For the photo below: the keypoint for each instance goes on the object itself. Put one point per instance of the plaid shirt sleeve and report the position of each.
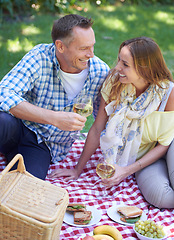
(19, 81)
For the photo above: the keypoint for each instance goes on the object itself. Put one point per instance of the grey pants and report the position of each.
(156, 182)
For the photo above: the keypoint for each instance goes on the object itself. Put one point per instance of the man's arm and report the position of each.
(66, 121)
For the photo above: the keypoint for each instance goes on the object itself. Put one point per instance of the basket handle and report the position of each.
(20, 167)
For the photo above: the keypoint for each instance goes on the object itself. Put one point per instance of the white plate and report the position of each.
(115, 216)
(96, 216)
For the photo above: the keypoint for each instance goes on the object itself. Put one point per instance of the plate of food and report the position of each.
(80, 215)
(126, 214)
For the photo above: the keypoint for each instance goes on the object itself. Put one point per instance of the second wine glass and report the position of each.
(105, 169)
(83, 105)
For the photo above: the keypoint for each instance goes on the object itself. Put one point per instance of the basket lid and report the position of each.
(32, 197)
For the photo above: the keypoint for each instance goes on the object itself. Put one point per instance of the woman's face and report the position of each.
(126, 69)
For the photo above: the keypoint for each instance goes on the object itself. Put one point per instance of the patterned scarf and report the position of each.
(121, 138)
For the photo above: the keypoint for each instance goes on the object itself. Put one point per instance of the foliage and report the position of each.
(55, 5)
(18, 7)
(136, 2)
(147, 2)
(12, 6)
(112, 25)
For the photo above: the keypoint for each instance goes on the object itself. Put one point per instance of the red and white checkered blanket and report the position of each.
(87, 188)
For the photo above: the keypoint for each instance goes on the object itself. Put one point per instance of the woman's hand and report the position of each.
(69, 174)
(119, 175)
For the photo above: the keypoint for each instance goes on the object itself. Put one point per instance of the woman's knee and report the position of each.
(170, 151)
(170, 163)
(160, 196)
(155, 186)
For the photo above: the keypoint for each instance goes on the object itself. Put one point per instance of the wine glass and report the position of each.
(105, 169)
(83, 105)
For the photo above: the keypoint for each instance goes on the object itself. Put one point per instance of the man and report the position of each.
(37, 95)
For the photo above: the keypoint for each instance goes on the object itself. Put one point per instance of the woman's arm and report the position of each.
(123, 172)
(170, 102)
(91, 144)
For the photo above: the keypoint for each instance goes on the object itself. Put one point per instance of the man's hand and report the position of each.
(70, 174)
(69, 121)
(66, 121)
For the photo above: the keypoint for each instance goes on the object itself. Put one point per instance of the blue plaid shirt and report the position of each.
(35, 79)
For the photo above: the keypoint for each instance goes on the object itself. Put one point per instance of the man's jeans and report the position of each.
(15, 138)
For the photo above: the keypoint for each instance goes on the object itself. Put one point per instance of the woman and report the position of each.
(135, 122)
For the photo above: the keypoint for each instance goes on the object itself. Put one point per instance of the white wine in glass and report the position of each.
(105, 170)
(84, 107)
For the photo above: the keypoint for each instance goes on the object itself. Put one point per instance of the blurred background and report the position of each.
(26, 23)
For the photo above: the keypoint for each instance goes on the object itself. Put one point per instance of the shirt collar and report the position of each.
(54, 58)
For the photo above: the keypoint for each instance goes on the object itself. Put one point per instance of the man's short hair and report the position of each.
(62, 28)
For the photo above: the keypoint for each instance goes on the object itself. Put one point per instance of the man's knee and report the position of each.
(4, 117)
(6, 120)
(9, 130)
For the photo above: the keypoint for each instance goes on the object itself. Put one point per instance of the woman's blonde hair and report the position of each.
(148, 62)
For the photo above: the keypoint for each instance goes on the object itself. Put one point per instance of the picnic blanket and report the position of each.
(87, 188)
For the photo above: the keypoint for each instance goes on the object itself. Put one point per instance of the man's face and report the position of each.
(76, 54)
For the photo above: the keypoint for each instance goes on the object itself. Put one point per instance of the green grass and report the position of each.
(112, 25)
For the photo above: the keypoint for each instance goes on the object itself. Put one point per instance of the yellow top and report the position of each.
(158, 127)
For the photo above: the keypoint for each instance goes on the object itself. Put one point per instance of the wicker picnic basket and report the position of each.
(30, 208)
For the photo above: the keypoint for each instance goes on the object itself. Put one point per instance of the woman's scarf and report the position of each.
(121, 138)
